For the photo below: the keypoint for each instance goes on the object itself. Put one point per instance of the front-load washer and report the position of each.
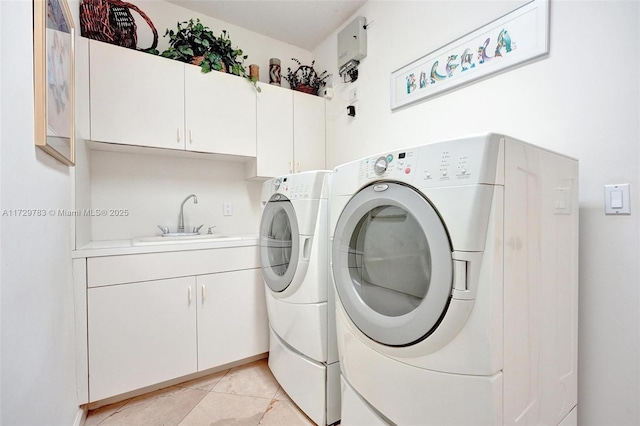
(455, 266)
(303, 353)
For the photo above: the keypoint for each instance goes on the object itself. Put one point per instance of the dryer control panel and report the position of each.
(292, 188)
(463, 162)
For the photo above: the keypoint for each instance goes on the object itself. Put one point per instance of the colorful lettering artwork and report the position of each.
(514, 38)
(464, 62)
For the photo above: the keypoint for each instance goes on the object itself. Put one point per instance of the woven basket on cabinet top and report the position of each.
(111, 21)
(306, 73)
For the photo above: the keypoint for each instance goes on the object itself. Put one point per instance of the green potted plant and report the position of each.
(194, 43)
(305, 78)
(191, 43)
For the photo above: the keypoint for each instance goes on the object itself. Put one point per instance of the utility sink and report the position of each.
(181, 238)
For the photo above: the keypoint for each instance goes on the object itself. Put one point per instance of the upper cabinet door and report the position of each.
(136, 98)
(220, 111)
(275, 131)
(309, 132)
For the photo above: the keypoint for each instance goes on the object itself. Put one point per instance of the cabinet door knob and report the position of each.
(190, 136)
(290, 166)
(298, 167)
(204, 292)
(178, 135)
(189, 294)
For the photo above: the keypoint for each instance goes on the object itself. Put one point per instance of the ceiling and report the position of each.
(302, 23)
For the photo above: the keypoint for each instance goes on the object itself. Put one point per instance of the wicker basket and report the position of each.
(306, 89)
(111, 21)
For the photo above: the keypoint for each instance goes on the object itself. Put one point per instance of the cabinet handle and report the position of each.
(290, 166)
(178, 135)
(298, 167)
(204, 292)
(189, 294)
(190, 136)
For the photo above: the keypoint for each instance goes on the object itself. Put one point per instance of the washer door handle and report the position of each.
(306, 248)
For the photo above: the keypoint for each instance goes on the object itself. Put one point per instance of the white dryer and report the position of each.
(456, 266)
(303, 354)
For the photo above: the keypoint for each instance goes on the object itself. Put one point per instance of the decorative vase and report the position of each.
(254, 72)
(274, 71)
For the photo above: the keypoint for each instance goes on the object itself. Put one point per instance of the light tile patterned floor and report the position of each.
(245, 395)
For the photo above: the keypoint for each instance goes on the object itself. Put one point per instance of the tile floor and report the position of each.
(244, 395)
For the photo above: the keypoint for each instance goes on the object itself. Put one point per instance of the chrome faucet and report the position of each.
(181, 217)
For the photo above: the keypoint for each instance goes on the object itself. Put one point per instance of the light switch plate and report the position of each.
(228, 209)
(616, 199)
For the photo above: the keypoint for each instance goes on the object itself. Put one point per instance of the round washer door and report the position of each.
(392, 264)
(279, 241)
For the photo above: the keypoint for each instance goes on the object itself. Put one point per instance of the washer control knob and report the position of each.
(380, 166)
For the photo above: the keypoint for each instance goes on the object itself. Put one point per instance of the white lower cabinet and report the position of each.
(140, 334)
(231, 317)
(148, 330)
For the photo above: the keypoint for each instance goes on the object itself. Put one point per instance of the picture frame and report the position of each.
(519, 36)
(54, 79)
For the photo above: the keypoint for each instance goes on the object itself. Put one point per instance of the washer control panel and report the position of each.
(398, 165)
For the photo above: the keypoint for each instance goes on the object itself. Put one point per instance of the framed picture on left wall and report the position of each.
(53, 67)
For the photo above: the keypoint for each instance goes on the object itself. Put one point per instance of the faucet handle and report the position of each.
(164, 229)
(210, 228)
(197, 229)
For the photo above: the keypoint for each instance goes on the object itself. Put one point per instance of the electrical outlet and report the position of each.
(228, 209)
(328, 93)
(353, 95)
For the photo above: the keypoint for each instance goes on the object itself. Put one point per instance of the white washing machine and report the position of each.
(303, 355)
(456, 270)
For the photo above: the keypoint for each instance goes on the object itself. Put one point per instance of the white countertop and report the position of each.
(123, 247)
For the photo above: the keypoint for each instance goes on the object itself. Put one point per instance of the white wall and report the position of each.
(582, 100)
(37, 316)
(152, 188)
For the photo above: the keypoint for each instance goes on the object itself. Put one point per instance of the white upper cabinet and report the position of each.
(136, 98)
(220, 113)
(309, 132)
(290, 134)
(275, 133)
(146, 100)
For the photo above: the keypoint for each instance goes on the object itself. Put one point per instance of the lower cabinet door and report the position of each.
(232, 317)
(140, 334)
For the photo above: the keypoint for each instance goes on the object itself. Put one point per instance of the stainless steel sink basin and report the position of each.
(181, 238)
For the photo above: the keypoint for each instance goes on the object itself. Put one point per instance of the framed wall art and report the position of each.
(516, 37)
(53, 67)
